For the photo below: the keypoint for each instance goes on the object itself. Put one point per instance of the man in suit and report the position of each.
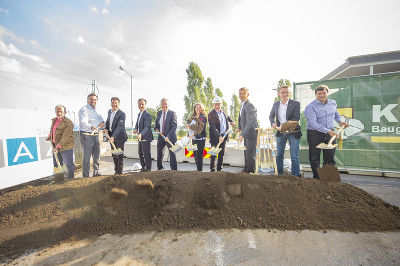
(115, 127)
(145, 136)
(166, 124)
(247, 129)
(282, 111)
(218, 122)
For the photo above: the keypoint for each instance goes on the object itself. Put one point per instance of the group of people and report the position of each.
(320, 115)
(218, 120)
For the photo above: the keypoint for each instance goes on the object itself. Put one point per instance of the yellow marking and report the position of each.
(189, 154)
(385, 139)
(347, 112)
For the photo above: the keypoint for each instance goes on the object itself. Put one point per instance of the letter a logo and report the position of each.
(22, 146)
(21, 150)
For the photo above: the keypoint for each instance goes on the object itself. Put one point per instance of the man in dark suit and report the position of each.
(145, 136)
(283, 111)
(166, 124)
(247, 128)
(115, 126)
(218, 122)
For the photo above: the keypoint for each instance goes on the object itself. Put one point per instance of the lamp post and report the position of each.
(120, 67)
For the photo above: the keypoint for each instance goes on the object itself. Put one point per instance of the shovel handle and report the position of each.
(58, 161)
(162, 135)
(334, 137)
(112, 143)
(223, 137)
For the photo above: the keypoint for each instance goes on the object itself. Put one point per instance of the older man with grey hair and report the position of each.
(247, 129)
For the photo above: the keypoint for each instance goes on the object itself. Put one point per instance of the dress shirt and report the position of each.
(282, 111)
(241, 107)
(89, 117)
(58, 121)
(320, 116)
(222, 122)
(138, 121)
(161, 119)
(112, 117)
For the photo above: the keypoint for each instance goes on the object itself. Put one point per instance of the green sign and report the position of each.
(371, 106)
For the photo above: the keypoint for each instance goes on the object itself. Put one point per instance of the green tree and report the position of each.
(234, 113)
(209, 92)
(224, 103)
(153, 113)
(279, 84)
(195, 92)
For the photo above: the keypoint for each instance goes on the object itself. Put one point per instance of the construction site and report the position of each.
(349, 216)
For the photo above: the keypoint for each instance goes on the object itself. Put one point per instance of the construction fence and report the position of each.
(371, 106)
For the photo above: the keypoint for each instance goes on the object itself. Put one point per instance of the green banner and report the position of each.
(371, 106)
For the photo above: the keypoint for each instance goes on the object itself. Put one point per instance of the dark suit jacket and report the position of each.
(248, 120)
(215, 126)
(144, 126)
(117, 129)
(170, 124)
(292, 114)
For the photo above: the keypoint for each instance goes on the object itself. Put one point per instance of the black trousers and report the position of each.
(161, 143)
(220, 156)
(314, 138)
(118, 159)
(145, 155)
(198, 155)
(250, 155)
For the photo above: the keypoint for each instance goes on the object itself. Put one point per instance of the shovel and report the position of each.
(174, 148)
(215, 150)
(191, 146)
(59, 171)
(272, 140)
(330, 146)
(114, 149)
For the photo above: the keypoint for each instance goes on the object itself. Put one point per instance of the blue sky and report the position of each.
(50, 51)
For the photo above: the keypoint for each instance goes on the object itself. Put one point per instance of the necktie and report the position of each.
(163, 123)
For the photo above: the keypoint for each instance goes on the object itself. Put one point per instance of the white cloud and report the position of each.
(4, 10)
(105, 11)
(36, 44)
(13, 50)
(51, 25)
(10, 65)
(81, 40)
(107, 2)
(94, 9)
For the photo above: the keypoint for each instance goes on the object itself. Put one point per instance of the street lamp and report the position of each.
(120, 67)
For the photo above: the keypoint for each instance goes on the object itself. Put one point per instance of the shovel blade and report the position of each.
(117, 151)
(329, 173)
(175, 148)
(326, 146)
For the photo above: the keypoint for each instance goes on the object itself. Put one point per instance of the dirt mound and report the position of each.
(45, 215)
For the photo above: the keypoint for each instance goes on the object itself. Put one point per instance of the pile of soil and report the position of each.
(45, 215)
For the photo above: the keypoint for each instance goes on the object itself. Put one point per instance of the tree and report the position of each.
(282, 82)
(234, 113)
(224, 103)
(195, 92)
(153, 113)
(209, 93)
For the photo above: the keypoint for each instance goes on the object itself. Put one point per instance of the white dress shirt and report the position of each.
(282, 111)
(161, 119)
(112, 117)
(89, 117)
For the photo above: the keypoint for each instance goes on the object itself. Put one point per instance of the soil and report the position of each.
(45, 215)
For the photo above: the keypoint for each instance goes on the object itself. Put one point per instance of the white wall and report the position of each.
(24, 153)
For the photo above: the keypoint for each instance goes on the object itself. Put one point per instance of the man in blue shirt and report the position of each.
(320, 115)
(89, 123)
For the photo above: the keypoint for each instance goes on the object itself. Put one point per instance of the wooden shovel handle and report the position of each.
(334, 137)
